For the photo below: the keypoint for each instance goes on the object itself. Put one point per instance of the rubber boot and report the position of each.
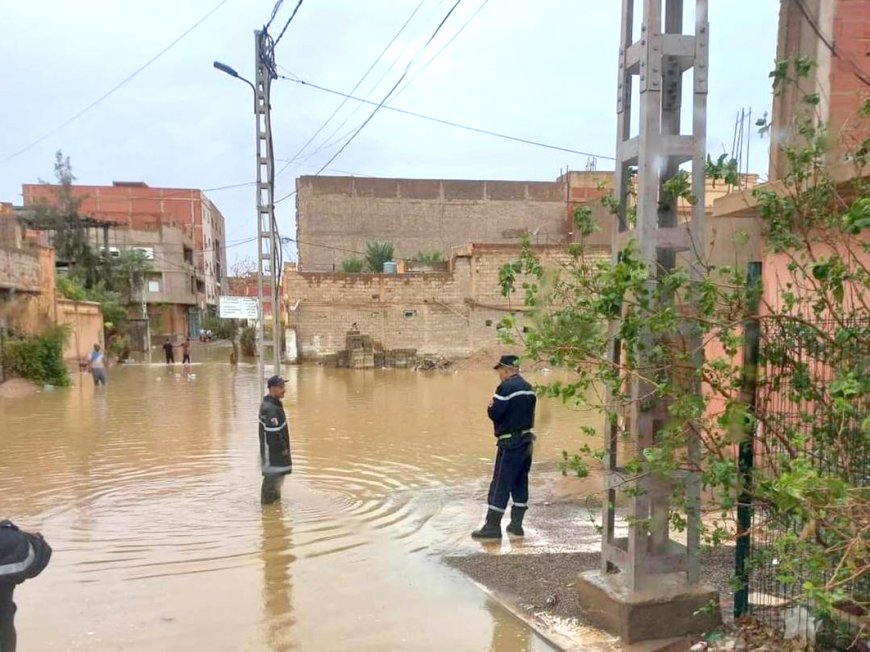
(492, 528)
(515, 527)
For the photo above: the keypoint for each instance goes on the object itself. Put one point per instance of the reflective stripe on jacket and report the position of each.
(274, 436)
(22, 555)
(513, 407)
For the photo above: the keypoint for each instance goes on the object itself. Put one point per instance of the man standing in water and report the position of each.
(169, 351)
(512, 411)
(23, 555)
(275, 460)
(97, 365)
(185, 350)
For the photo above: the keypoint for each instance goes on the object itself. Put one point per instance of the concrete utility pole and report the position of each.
(267, 237)
(647, 587)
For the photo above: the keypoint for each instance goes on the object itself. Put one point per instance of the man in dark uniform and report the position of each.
(275, 461)
(23, 555)
(512, 410)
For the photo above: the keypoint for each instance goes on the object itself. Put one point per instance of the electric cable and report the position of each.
(390, 92)
(117, 86)
(287, 24)
(357, 85)
(856, 69)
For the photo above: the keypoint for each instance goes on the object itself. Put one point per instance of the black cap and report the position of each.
(275, 381)
(508, 361)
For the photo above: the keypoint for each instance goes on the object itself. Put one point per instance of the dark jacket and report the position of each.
(274, 438)
(513, 411)
(22, 555)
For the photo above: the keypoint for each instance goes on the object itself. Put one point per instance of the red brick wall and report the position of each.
(852, 41)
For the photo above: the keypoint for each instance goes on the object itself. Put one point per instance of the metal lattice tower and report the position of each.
(267, 237)
(656, 61)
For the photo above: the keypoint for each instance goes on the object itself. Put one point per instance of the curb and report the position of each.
(555, 638)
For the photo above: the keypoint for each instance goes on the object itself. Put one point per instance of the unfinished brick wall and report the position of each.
(452, 314)
(336, 216)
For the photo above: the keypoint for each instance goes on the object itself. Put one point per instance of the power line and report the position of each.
(274, 13)
(331, 139)
(450, 123)
(443, 47)
(287, 24)
(117, 86)
(390, 92)
(357, 85)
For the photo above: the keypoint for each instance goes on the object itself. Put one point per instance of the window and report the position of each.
(489, 322)
(155, 282)
(410, 313)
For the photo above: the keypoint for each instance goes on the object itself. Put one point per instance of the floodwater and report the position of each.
(148, 490)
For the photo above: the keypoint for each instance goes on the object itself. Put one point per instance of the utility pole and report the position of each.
(267, 237)
(647, 569)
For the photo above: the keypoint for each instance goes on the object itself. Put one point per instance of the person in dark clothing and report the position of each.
(169, 350)
(512, 411)
(23, 555)
(275, 460)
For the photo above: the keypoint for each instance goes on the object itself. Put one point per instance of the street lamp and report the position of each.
(232, 73)
(265, 206)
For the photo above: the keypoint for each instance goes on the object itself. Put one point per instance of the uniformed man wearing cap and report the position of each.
(275, 460)
(512, 410)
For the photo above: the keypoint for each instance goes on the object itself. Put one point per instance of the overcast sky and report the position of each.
(544, 70)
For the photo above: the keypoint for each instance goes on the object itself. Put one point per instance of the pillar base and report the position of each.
(665, 609)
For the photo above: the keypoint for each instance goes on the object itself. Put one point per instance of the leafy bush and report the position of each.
(114, 314)
(428, 257)
(221, 329)
(378, 253)
(353, 265)
(38, 358)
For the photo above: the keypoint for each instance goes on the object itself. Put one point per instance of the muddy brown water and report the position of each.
(148, 491)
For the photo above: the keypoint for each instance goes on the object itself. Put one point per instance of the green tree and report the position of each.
(69, 235)
(353, 265)
(814, 431)
(378, 253)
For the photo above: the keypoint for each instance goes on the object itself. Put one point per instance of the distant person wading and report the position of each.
(512, 411)
(169, 351)
(97, 365)
(275, 460)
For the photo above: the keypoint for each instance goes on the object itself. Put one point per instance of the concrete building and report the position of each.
(140, 207)
(174, 291)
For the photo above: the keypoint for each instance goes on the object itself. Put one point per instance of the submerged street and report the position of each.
(148, 490)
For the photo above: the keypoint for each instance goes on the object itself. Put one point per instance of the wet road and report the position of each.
(149, 492)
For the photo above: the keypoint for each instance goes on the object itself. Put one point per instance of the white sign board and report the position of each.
(239, 308)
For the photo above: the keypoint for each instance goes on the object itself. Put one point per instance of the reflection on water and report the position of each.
(148, 489)
(277, 556)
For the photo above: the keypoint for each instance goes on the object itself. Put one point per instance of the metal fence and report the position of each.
(796, 401)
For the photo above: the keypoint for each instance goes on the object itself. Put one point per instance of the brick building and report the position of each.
(140, 207)
(835, 34)
(453, 313)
